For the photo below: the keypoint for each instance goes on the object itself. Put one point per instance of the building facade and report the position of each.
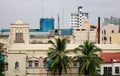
(78, 19)
(106, 30)
(26, 59)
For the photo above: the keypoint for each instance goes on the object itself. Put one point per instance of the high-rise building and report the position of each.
(111, 20)
(46, 24)
(77, 19)
(110, 26)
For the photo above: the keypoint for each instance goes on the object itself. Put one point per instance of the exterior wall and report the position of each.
(81, 35)
(12, 59)
(39, 40)
(113, 65)
(115, 38)
(4, 41)
(19, 27)
(106, 30)
(25, 52)
(102, 68)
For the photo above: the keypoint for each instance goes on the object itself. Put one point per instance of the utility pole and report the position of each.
(98, 30)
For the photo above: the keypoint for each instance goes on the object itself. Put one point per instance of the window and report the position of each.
(16, 65)
(30, 63)
(105, 38)
(36, 63)
(104, 32)
(110, 40)
(45, 63)
(112, 31)
(117, 70)
(107, 70)
(77, 29)
(19, 38)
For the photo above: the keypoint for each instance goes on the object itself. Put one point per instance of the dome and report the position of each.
(19, 22)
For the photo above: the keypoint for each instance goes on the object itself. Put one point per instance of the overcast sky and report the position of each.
(30, 11)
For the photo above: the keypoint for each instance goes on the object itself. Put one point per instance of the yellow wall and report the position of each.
(115, 38)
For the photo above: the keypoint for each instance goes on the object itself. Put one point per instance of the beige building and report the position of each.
(81, 34)
(26, 59)
(115, 38)
(106, 30)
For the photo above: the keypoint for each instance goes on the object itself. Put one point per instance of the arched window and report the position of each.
(110, 40)
(112, 31)
(16, 65)
(104, 32)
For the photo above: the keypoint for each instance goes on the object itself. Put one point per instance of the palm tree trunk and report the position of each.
(59, 69)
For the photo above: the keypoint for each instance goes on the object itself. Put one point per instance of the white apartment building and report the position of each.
(77, 19)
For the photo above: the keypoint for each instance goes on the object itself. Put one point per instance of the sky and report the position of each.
(30, 11)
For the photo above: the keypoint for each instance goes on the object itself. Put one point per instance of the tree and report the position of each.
(57, 58)
(2, 63)
(89, 60)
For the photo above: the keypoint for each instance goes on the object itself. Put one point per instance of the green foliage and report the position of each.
(2, 63)
(57, 57)
(107, 74)
(1, 74)
(89, 59)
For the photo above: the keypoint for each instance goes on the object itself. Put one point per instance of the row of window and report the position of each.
(105, 39)
(76, 17)
(75, 23)
(35, 63)
(109, 70)
(104, 32)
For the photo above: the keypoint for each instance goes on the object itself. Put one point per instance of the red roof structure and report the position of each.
(110, 57)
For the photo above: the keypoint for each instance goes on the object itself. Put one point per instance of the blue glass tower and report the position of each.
(46, 24)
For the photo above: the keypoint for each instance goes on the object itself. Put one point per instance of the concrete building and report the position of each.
(78, 19)
(106, 30)
(82, 34)
(115, 38)
(111, 64)
(111, 20)
(46, 24)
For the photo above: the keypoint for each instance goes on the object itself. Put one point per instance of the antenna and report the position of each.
(51, 15)
(42, 7)
(63, 18)
(58, 25)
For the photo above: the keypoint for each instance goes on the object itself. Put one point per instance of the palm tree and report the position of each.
(57, 59)
(2, 63)
(89, 60)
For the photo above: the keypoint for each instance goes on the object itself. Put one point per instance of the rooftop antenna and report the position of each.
(58, 25)
(42, 7)
(63, 18)
(51, 15)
